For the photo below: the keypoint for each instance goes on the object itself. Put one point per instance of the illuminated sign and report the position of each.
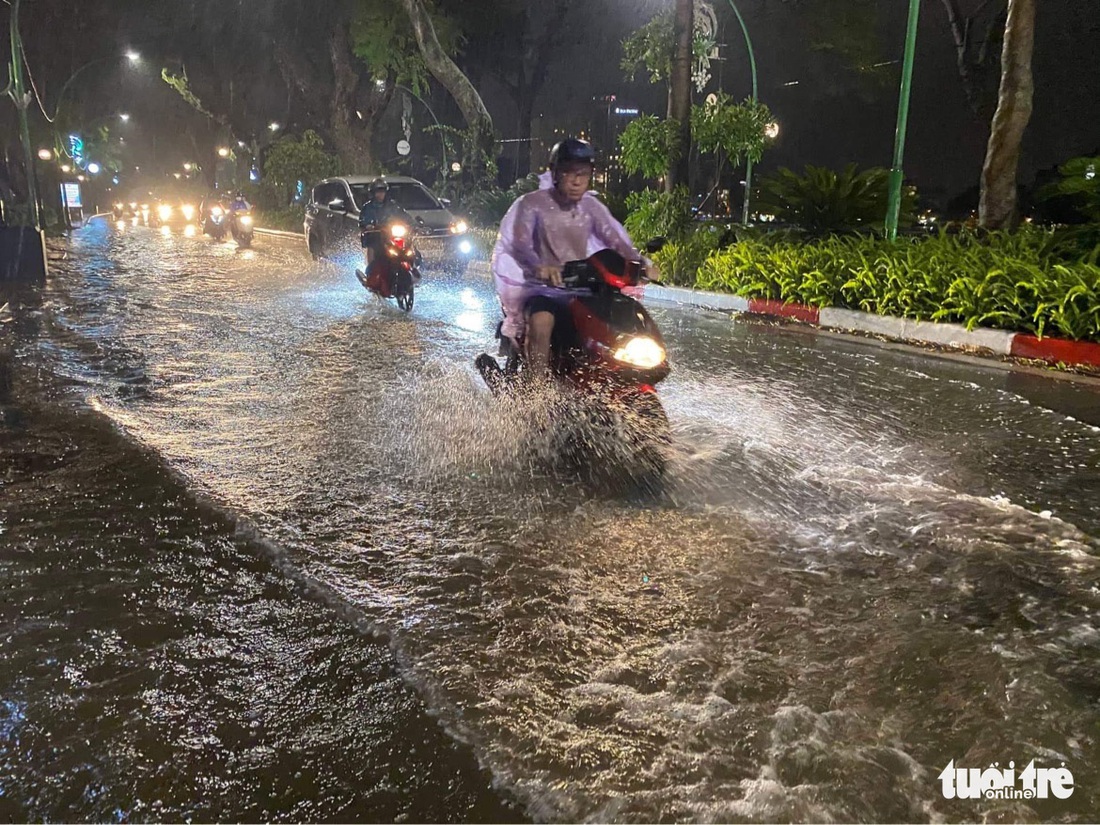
(76, 149)
(70, 195)
(630, 112)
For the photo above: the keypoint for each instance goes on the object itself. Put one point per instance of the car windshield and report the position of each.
(407, 195)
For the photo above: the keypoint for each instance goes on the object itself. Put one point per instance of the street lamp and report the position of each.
(66, 168)
(188, 167)
(771, 131)
(274, 127)
(45, 154)
(94, 168)
(132, 56)
(125, 118)
(897, 176)
(223, 152)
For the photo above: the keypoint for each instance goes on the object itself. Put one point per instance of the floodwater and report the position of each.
(865, 562)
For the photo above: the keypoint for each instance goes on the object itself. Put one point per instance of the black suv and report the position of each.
(332, 216)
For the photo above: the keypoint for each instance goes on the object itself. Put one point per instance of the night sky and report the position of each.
(829, 118)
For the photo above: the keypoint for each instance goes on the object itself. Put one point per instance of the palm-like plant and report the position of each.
(826, 201)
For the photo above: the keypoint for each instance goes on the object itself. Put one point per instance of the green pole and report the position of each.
(22, 100)
(752, 63)
(893, 208)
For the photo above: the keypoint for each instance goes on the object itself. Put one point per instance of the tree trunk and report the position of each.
(998, 200)
(454, 81)
(679, 93)
(351, 136)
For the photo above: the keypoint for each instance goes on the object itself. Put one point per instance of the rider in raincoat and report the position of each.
(543, 230)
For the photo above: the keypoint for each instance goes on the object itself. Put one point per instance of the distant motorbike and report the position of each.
(611, 353)
(240, 225)
(216, 223)
(395, 270)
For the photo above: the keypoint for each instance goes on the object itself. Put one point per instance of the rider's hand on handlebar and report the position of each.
(549, 274)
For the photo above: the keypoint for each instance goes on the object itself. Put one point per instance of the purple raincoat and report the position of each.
(539, 231)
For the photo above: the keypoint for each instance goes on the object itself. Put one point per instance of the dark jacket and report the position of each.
(383, 214)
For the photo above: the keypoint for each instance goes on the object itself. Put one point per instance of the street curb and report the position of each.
(1056, 350)
(278, 233)
(952, 336)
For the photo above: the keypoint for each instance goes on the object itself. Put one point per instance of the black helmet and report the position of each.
(377, 184)
(572, 150)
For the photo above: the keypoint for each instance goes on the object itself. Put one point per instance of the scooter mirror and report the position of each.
(656, 245)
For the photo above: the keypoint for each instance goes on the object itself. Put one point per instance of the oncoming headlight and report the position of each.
(465, 247)
(459, 228)
(642, 352)
(188, 211)
(246, 220)
(399, 230)
(164, 211)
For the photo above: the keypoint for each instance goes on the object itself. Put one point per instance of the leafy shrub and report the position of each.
(291, 160)
(488, 206)
(680, 260)
(1001, 280)
(658, 214)
(826, 201)
(1080, 183)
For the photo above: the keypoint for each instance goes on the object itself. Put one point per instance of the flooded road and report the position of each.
(866, 562)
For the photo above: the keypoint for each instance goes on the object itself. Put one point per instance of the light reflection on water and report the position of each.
(846, 582)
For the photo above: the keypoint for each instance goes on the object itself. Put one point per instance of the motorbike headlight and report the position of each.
(188, 211)
(246, 220)
(133, 205)
(642, 352)
(164, 211)
(399, 230)
(216, 211)
(465, 247)
(118, 206)
(459, 228)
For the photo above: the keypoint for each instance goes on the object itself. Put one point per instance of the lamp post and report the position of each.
(442, 141)
(755, 99)
(897, 176)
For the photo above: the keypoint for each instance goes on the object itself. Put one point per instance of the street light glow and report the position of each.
(223, 152)
(94, 168)
(188, 167)
(133, 56)
(125, 118)
(66, 168)
(45, 154)
(772, 130)
(274, 127)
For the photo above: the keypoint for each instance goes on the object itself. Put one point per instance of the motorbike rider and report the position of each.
(542, 231)
(239, 204)
(375, 216)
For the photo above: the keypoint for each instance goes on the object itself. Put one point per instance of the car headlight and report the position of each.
(188, 211)
(459, 228)
(246, 220)
(164, 211)
(642, 352)
(399, 230)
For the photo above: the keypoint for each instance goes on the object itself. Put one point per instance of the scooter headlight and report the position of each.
(188, 211)
(459, 228)
(399, 230)
(641, 352)
(216, 211)
(246, 220)
(465, 247)
(164, 211)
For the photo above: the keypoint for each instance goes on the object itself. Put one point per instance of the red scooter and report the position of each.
(395, 270)
(612, 352)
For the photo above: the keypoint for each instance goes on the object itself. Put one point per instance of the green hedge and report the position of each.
(1007, 281)
(288, 219)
